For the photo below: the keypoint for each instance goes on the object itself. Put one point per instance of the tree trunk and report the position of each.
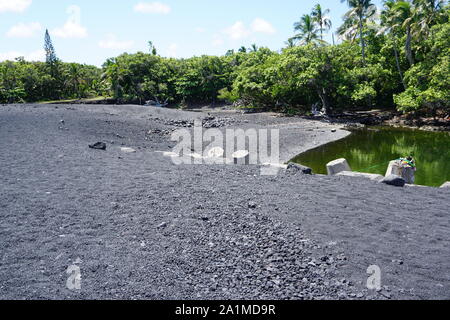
(408, 48)
(397, 61)
(324, 98)
(363, 44)
(321, 31)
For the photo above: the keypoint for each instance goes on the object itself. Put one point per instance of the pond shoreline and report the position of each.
(374, 117)
(370, 150)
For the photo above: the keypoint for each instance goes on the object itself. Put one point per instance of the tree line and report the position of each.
(398, 56)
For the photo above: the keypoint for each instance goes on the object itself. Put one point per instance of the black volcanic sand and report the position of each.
(144, 228)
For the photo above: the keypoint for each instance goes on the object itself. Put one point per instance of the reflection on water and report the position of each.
(370, 150)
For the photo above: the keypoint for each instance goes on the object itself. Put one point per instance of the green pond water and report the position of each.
(370, 150)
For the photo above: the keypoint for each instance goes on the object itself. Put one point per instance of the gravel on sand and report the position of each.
(140, 227)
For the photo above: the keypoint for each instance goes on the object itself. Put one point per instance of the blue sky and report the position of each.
(90, 31)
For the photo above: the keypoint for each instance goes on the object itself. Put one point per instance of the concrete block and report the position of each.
(397, 169)
(336, 166)
(371, 176)
(394, 168)
(446, 185)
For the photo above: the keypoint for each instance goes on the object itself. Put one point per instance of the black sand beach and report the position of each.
(144, 228)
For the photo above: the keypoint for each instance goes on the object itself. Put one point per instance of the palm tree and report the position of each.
(348, 31)
(428, 13)
(75, 79)
(321, 19)
(290, 43)
(113, 75)
(152, 48)
(307, 31)
(361, 11)
(242, 49)
(406, 14)
(391, 25)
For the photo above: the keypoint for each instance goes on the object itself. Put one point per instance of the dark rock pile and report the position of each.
(213, 122)
(243, 254)
(98, 146)
(208, 122)
(159, 132)
(295, 167)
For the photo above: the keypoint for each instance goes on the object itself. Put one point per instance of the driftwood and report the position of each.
(156, 103)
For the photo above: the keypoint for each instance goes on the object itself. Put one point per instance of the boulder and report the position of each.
(98, 146)
(371, 176)
(394, 180)
(299, 168)
(446, 185)
(336, 166)
(396, 168)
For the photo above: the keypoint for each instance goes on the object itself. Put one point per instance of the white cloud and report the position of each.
(262, 26)
(38, 55)
(172, 51)
(24, 30)
(152, 7)
(111, 42)
(200, 30)
(72, 28)
(14, 5)
(240, 31)
(237, 31)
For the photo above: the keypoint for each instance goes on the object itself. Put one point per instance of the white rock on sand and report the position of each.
(128, 150)
(168, 154)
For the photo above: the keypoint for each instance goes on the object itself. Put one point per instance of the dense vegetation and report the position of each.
(400, 58)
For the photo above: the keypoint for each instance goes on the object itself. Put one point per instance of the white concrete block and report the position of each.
(371, 176)
(394, 168)
(336, 166)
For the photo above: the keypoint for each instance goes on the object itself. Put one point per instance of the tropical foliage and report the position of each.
(394, 56)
